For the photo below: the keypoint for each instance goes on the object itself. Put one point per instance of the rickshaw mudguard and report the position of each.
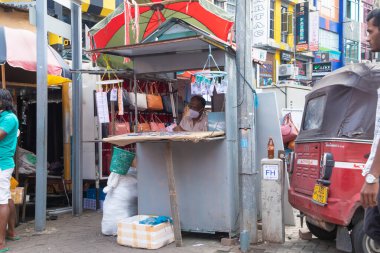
(335, 212)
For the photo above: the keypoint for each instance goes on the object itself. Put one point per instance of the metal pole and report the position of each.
(42, 116)
(247, 171)
(136, 110)
(76, 28)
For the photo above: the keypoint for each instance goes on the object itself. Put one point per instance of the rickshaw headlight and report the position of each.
(327, 164)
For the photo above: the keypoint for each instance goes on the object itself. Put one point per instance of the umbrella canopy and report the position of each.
(18, 51)
(151, 14)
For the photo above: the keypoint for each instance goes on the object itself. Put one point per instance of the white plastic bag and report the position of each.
(112, 182)
(120, 203)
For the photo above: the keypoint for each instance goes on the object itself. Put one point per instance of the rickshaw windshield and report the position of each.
(314, 113)
(339, 112)
(342, 104)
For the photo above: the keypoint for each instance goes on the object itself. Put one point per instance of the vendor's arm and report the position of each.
(368, 194)
(178, 129)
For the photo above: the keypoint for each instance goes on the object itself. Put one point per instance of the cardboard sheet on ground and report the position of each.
(126, 139)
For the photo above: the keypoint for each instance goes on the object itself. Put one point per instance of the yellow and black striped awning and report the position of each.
(99, 7)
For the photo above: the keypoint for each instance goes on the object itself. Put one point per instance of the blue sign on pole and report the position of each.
(302, 26)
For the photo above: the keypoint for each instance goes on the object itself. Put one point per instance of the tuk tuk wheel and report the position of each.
(321, 233)
(361, 242)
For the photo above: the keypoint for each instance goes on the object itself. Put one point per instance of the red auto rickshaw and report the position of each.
(331, 150)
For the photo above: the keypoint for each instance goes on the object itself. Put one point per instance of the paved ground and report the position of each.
(82, 234)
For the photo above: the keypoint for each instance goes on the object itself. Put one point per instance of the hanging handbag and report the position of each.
(121, 127)
(153, 99)
(289, 131)
(140, 102)
(143, 125)
(178, 102)
(156, 124)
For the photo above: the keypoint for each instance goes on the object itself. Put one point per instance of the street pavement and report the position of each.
(70, 234)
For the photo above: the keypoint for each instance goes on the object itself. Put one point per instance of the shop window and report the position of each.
(351, 51)
(352, 9)
(329, 40)
(271, 20)
(284, 24)
(314, 113)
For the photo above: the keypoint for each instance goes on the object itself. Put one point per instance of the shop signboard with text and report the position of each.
(302, 27)
(260, 15)
(321, 68)
(314, 31)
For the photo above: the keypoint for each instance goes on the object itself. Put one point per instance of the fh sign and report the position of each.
(260, 22)
(270, 172)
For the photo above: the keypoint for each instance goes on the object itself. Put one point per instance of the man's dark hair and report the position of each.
(374, 14)
(200, 100)
(6, 101)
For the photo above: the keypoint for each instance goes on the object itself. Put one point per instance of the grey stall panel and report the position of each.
(205, 185)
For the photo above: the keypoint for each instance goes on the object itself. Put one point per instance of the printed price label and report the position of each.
(113, 95)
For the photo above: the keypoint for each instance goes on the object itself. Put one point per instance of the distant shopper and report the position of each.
(8, 143)
(196, 120)
(370, 197)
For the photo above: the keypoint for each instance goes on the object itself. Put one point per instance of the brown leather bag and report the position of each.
(143, 125)
(154, 99)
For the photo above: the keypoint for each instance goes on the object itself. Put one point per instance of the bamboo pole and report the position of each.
(66, 131)
(3, 76)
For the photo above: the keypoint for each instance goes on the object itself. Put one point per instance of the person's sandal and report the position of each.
(12, 238)
(4, 250)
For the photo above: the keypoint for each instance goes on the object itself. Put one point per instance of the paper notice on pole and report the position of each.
(102, 107)
(270, 172)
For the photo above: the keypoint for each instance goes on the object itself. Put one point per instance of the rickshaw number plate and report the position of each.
(320, 194)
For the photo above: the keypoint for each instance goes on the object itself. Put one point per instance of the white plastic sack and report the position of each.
(120, 203)
(112, 182)
(26, 161)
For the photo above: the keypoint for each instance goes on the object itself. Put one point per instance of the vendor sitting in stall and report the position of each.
(196, 120)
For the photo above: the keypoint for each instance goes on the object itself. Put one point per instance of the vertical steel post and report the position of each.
(76, 42)
(42, 116)
(247, 170)
(136, 110)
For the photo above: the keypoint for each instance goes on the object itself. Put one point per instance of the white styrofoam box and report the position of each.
(131, 233)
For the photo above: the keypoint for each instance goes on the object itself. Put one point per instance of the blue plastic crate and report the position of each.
(89, 204)
(91, 194)
(102, 195)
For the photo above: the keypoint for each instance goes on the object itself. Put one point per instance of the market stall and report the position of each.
(18, 52)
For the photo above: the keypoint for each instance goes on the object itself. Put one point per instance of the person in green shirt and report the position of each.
(8, 143)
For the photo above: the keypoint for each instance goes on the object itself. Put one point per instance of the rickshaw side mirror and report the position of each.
(327, 165)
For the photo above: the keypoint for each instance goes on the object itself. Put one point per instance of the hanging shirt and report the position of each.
(9, 124)
(200, 125)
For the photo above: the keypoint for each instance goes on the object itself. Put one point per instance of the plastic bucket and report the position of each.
(121, 161)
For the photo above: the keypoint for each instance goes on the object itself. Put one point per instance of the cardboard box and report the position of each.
(17, 195)
(131, 233)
